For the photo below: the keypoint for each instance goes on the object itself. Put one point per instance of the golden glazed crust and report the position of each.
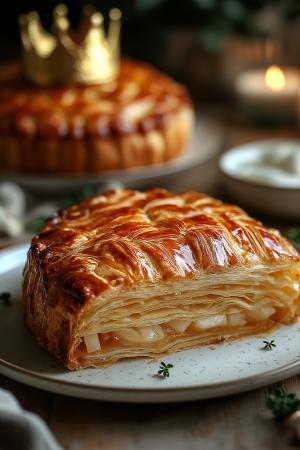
(141, 119)
(164, 250)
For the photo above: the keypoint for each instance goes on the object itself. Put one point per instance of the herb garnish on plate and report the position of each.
(164, 369)
(269, 345)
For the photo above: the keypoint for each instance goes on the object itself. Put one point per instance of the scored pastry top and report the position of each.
(121, 238)
(141, 99)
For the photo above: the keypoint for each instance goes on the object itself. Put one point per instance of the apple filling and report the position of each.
(149, 335)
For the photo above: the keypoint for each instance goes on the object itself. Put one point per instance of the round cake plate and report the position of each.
(205, 144)
(201, 373)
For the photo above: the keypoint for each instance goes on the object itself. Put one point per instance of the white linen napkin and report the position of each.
(22, 430)
(13, 213)
(15, 216)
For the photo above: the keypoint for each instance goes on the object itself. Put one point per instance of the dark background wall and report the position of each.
(183, 37)
(147, 22)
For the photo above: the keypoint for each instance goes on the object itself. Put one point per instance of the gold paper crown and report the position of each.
(85, 56)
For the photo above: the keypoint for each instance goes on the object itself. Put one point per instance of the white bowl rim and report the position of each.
(240, 147)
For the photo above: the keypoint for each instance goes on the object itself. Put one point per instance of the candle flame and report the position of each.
(274, 78)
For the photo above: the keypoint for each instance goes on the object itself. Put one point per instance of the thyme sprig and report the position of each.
(164, 369)
(269, 345)
(5, 297)
(281, 402)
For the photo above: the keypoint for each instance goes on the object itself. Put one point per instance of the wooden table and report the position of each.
(235, 423)
(239, 422)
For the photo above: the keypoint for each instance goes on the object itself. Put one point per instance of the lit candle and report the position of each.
(269, 94)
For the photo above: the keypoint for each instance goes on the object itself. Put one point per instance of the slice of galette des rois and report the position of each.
(128, 274)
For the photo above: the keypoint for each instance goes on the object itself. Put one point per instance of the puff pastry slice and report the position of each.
(127, 274)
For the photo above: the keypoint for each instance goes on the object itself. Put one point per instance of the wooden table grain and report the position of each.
(239, 422)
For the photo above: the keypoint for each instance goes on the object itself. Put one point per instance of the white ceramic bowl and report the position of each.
(254, 195)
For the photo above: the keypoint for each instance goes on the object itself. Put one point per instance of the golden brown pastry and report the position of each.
(131, 273)
(143, 118)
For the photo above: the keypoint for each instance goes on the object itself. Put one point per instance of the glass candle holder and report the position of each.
(268, 95)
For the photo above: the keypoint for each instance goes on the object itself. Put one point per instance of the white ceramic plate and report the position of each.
(197, 374)
(205, 144)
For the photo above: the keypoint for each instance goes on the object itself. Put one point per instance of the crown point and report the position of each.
(60, 10)
(96, 19)
(33, 16)
(61, 22)
(115, 14)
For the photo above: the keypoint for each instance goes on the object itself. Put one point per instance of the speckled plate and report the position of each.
(197, 374)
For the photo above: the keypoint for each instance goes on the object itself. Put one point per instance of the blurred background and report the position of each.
(206, 45)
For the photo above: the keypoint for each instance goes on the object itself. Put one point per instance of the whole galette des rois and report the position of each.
(75, 107)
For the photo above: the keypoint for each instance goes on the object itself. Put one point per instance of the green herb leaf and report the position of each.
(5, 297)
(269, 345)
(281, 402)
(37, 224)
(86, 192)
(164, 369)
(294, 235)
